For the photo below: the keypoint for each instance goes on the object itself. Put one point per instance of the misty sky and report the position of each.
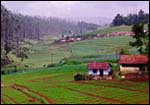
(76, 8)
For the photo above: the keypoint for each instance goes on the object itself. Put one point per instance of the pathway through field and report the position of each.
(29, 93)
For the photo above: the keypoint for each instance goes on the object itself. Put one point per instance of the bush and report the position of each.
(78, 77)
(51, 65)
(69, 61)
(116, 75)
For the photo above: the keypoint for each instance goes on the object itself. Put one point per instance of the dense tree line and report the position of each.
(17, 27)
(131, 19)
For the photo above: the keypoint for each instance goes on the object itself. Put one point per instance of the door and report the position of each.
(101, 72)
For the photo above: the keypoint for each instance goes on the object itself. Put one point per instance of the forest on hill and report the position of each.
(17, 27)
(131, 19)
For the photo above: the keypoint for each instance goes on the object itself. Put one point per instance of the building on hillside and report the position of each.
(132, 63)
(78, 39)
(99, 69)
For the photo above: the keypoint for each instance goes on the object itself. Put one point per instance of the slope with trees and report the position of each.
(131, 19)
(17, 27)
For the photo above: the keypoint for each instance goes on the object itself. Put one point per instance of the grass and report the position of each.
(79, 49)
(57, 84)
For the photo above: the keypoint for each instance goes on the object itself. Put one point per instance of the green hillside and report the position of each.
(44, 53)
(111, 29)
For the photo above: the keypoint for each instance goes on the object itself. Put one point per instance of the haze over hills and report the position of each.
(88, 11)
(95, 20)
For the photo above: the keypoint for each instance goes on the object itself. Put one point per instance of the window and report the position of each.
(94, 71)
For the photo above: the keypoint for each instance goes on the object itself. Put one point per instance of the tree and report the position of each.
(141, 16)
(131, 19)
(22, 55)
(141, 39)
(118, 20)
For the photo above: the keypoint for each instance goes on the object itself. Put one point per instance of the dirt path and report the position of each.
(31, 98)
(11, 99)
(144, 102)
(23, 89)
(92, 95)
(3, 101)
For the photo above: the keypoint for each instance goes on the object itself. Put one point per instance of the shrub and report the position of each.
(117, 75)
(69, 62)
(51, 65)
(78, 77)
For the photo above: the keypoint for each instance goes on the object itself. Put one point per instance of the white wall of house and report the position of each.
(129, 69)
(90, 72)
(106, 72)
(78, 39)
(63, 40)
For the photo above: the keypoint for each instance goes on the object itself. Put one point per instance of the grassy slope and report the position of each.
(41, 54)
(109, 30)
(112, 29)
(79, 49)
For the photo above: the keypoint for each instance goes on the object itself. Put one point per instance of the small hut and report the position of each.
(132, 63)
(99, 68)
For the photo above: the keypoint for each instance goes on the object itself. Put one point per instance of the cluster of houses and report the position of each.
(127, 63)
(94, 36)
(68, 39)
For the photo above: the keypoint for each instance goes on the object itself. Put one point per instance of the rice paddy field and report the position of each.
(57, 86)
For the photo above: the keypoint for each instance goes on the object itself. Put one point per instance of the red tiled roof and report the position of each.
(133, 59)
(98, 65)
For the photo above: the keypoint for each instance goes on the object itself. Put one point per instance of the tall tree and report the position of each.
(141, 39)
(118, 20)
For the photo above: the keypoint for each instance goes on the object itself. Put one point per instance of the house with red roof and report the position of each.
(132, 63)
(99, 68)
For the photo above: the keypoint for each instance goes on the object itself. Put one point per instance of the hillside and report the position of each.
(105, 30)
(43, 54)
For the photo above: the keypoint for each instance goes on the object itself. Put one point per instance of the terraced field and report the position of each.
(46, 54)
(57, 85)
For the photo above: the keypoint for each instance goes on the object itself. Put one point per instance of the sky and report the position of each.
(66, 9)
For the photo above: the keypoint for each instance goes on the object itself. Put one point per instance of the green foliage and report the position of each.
(22, 55)
(78, 77)
(70, 62)
(118, 20)
(7, 48)
(141, 39)
(131, 19)
(124, 51)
